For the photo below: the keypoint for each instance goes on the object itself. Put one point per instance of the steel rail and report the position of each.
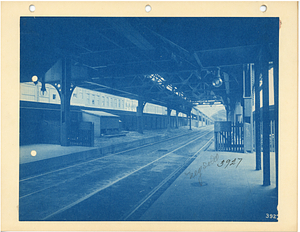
(117, 180)
(102, 157)
(161, 184)
(78, 176)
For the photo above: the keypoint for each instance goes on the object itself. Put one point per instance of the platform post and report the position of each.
(227, 114)
(65, 95)
(197, 124)
(139, 110)
(168, 118)
(257, 119)
(276, 101)
(190, 119)
(176, 121)
(247, 108)
(266, 118)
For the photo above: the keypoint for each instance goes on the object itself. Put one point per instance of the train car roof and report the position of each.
(99, 113)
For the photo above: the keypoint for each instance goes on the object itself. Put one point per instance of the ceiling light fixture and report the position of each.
(217, 81)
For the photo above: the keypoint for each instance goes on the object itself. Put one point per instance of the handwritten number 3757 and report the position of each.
(229, 162)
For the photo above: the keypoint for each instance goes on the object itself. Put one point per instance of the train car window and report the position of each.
(128, 106)
(80, 93)
(93, 99)
(88, 98)
(107, 102)
(54, 96)
(98, 100)
(103, 101)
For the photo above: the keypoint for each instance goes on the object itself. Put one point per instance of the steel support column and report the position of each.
(266, 117)
(227, 114)
(65, 96)
(257, 119)
(247, 108)
(139, 110)
(276, 101)
(190, 119)
(247, 94)
(176, 121)
(169, 118)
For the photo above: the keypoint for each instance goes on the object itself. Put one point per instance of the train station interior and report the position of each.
(98, 89)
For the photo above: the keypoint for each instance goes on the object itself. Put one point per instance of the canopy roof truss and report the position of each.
(166, 61)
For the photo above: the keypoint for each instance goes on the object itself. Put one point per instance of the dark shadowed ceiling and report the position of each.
(168, 61)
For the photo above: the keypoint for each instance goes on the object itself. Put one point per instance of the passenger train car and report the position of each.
(88, 98)
(40, 122)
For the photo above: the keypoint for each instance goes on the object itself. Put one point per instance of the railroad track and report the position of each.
(58, 195)
(161, 184)
(117, 153)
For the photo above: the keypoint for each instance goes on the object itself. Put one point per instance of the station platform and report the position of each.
(51, 156)
(209, 190)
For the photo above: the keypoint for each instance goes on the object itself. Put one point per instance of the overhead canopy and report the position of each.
(166, 61)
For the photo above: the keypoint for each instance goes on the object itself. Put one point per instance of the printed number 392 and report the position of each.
(272, 216)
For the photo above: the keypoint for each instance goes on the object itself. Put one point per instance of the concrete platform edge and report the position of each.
(51, 164)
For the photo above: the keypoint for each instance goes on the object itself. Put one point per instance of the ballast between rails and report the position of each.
(125, 176)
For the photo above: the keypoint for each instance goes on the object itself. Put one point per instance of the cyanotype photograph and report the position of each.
(149, 119)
